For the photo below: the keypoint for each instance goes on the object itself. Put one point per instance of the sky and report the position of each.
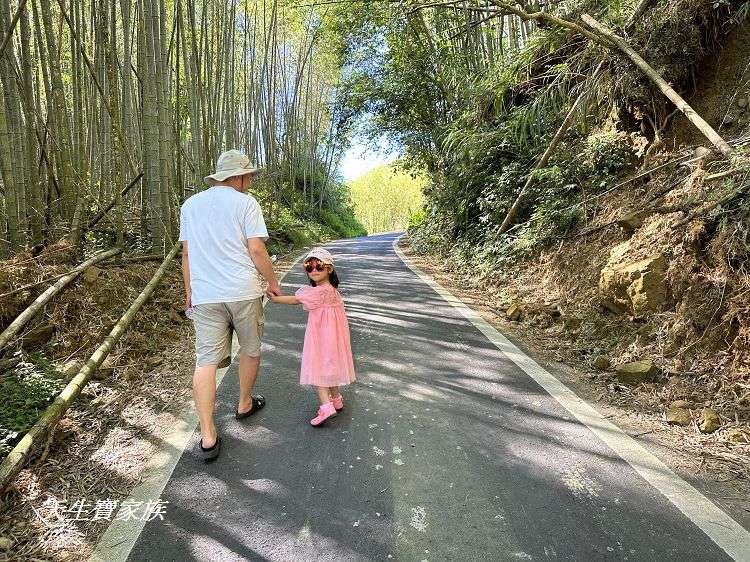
(360, 159)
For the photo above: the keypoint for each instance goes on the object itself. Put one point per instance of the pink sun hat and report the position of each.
(320, 254)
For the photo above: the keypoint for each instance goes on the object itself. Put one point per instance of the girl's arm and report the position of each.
(285, 299)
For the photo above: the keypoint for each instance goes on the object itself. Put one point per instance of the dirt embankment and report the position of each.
(722, 92)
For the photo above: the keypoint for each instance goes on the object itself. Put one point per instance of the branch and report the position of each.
(112, 203)
(567, 122)
(639, 11)
(507, 8)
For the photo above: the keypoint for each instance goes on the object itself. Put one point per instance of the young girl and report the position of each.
(327, 354)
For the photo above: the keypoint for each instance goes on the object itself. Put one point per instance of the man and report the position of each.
(224, 256)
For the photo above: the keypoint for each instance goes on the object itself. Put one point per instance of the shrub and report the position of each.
(608, 152)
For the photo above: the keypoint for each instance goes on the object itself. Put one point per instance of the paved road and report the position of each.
(446, 451)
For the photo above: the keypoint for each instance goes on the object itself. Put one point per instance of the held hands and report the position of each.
(274, 290)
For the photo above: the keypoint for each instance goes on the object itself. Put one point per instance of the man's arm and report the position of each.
(186, 275)
(259, 255)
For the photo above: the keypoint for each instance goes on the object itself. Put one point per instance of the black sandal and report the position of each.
(212, 452)
(258, 402)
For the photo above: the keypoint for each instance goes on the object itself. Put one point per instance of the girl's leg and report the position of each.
(323, 394)
(336, 399)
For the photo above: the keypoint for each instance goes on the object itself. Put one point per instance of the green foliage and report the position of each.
(385, 198)
(299, 236)
(609, 152)
(26, 392)
(476, 114)
(344, 224)
(300, 225)
(417, 218)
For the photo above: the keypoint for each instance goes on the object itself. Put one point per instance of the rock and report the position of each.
(5, 544)
(175, 316)
(637, 372)
(742, 103)
(106, 369)
(153, 362)
(70, 369)
(702, 152)
(738, 435)
(91, 275)
(709, 421)
(633, 221)
(38, 337)
(681, 404)
(678, 416)
(602, 362)
(513, 313)
(637, 287)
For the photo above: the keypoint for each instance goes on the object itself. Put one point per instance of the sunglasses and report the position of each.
(317, 267)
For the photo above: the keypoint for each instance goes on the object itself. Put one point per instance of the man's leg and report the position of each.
(204, 395)
(248, 320)
(248, 373)
(211, 345)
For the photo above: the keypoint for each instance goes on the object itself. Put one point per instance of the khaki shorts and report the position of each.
(214, 323)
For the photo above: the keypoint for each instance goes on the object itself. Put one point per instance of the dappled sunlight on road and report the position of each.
(445, 450)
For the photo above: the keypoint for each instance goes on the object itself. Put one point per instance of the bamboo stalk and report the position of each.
(113, 202)
(9, 33)
(13, 463)
(34, 308)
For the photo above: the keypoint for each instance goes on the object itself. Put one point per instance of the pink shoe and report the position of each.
(338, 403)
(324, 412)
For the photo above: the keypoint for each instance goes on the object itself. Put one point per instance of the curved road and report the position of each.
(447, 450)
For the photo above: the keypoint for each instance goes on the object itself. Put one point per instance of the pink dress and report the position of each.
(327, 354)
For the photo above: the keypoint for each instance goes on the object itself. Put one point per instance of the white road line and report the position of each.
(120, 537)
(727, 533)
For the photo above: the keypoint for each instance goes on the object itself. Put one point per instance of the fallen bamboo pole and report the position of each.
(100, 215)
(32, 310)
(721, 175)
(513, 210)
(707, 130)
(13, 463)
(542, 162)
(139, 259)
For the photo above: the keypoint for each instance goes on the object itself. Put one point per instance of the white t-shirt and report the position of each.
(216, 224)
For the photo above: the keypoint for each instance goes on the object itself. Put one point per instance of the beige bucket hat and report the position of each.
(231, 163)
(321, 254)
